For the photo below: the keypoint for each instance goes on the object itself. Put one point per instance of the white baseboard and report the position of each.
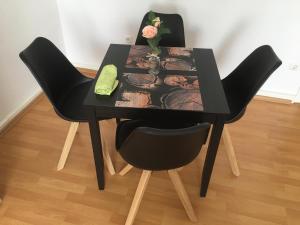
(12, 115)
(296, 99)
(276, 94)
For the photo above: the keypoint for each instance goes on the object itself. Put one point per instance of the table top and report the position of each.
(188, 84)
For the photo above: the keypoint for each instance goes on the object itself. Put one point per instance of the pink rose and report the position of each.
(149, 31)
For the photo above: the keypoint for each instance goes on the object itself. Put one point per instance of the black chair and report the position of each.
(174, 22)
(240, 87)
(155, 149)
(64, 86)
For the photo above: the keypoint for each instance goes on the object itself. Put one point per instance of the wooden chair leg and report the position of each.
(179, 169)
(183, 196)
(108, 161)
(230, 152)
(138, 196)
(208, 137)
(68, 144)
(106, 155)
(126, 169)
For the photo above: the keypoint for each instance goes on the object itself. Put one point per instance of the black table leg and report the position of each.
(211, 155)
(97, 148)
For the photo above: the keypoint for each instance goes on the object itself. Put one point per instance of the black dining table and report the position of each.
(187, 88)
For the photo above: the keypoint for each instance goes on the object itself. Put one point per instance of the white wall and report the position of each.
(233, 28)
(21, 21)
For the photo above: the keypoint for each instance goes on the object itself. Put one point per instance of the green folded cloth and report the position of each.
(107, 82)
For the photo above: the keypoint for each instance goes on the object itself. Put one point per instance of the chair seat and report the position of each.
(71, 105)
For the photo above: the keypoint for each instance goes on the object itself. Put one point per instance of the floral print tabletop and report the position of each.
(176, 87)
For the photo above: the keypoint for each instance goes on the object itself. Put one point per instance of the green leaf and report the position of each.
(157, 40)
(151, 44)
(157, 50)
(151, 16)
(154, 42)
(162, 25)
(164, 30)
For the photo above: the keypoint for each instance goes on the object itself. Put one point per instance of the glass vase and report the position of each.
(154, 64)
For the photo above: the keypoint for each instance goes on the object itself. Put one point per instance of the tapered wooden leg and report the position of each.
(138, 196)
(68, 144)
(183, 196)
(107, 159)
(208, 137)
(230, 152)
(106, 155)
(179, 169)
(126, 169)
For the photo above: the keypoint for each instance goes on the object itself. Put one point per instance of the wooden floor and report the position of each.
(267, 143)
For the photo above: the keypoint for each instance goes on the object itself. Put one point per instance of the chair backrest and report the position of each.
(52, 70)
(242, 84)
(163, 149)
(174, 22)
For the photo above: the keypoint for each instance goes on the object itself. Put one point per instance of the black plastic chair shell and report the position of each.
(151, 148)
(174, 22)
(63, 84)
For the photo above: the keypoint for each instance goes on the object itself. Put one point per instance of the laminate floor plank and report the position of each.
(267, 145)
